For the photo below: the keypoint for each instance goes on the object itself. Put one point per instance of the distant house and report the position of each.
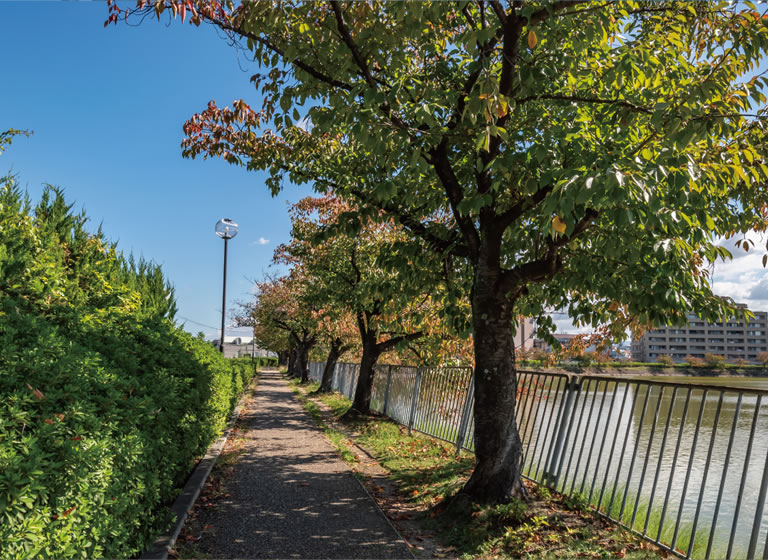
(239, 346)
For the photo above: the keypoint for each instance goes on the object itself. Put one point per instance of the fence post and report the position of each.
(414, 400)
(551, 471)
(465, 414)
(386, 390)
(758, 512)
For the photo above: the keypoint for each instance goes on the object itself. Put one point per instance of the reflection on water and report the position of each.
(683, 447)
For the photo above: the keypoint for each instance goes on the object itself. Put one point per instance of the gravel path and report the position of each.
(291, 496)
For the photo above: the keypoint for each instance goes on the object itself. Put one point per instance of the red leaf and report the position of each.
(76, 438)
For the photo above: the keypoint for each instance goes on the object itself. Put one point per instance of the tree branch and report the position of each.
(351, 45)
(309, 69)
(455, 195)
(453, 246)
(394, 341)
(499, 10)
(544, 268)
(582, 99)
(540, 15)
(361, 325)
(508, 217)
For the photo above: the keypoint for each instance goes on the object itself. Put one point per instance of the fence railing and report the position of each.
(683, 465)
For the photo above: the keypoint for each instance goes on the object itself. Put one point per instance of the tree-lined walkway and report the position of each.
(290, 495)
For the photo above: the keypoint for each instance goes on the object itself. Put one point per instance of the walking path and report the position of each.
(290, 495)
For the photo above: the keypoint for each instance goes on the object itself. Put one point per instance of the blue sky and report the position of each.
(107, 108)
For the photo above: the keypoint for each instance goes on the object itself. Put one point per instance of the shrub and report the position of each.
(715, 361)
(585, 360)
(694, 361)
(762, 358)
(666, 360)
(104, 403)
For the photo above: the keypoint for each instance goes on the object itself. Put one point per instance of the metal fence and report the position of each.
(683, 465)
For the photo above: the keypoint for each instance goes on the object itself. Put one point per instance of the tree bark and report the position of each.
(282, 357)
(303, 362)
(498, 448)
(371, 352)
(292, 362)
(330, 364)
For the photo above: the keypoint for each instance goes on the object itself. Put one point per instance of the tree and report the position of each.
(351, 266)
(578, 155)
(762, 358)
(338, 327)
(278, 307)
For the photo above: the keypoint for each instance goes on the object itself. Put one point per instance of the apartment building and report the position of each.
(734, 339)
(526, 331)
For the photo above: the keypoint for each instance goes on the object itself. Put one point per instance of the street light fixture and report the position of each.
(226, 229)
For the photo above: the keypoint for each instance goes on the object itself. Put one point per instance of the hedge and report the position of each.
(105, 404)
(266, 362)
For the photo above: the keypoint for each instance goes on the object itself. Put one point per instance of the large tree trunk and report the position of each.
(292, 362)
(330, 364)
(371, 352)
(498, 448)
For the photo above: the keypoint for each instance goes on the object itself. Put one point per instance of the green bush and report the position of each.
(104, 404)
(263, 362)
(715, 361)
(666, 360)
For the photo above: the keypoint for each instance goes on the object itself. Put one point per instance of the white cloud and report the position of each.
(305, 124)
(743, 278)
(565, 325)
(261, 241)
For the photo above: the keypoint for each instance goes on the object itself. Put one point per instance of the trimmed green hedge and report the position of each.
(105, 405)
(266, 362)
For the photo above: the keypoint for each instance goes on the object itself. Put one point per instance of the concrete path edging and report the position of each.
(183, 504)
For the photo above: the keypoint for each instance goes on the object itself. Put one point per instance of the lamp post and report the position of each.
(226, 229)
